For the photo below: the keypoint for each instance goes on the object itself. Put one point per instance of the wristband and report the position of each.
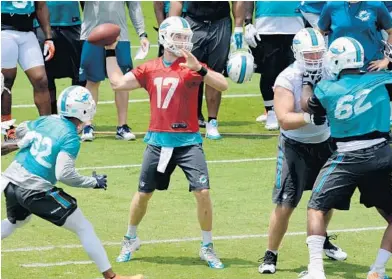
(203, 71)
(50, 39)
(307, 118)
(110, 53)
(143, 35)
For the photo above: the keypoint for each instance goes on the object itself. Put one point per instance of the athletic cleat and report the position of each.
(88, 133)
(262, 118)
(202, 123)
(271, 122)
(212, 130)
(124, 132)
(377, 274)
(269, 263)
(332, 251)
(314, 275)
(10, 135)
(208, 254)
(129, 246)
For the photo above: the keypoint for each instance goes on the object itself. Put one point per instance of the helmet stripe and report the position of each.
(357, 49)
(184, 23)
(64, 99)
(243, 69)
(313, 36)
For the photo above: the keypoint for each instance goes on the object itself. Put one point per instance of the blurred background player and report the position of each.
(65, 23)
(20, 45)
(311, 11)
(303, 147)
(173, 138)
(49, 148)
(211, 25)
(270, 40)
(92, 65)
(357, 108)
(161, 9)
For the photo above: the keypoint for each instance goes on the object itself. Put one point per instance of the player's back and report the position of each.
(357, 105)
(48, 136)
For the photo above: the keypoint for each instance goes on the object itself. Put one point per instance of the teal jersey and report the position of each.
(49, 136)
(277, 9)
(63, 13)
(166, 7)
(17, 7)
(362, 21)
(165, 139)
(355, 104)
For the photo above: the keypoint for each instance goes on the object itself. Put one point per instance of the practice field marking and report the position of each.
(160, 241)
(209, 162)
(228, 96)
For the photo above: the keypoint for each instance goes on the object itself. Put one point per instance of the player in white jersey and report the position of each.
(48, 149)
(303, 147)
(92, 63)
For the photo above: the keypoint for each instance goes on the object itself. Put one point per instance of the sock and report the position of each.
(382, 259)
(7, 228)
(6, 117)
(269, 105)
(77, 223)
(131, 233)
(207, 237)
(211, 118)
(273, 251)
(315, 246)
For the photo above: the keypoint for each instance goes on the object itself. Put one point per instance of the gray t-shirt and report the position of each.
(99, 12)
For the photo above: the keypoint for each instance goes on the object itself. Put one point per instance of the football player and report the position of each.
(173, 137)
(356, 105)
(49, 147)
(19, 44)
(303, 147)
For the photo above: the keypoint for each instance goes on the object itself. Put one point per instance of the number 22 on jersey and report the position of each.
(159, 82)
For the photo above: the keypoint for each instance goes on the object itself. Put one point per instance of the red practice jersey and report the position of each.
(173, 95)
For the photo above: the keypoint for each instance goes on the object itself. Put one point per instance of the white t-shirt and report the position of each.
(291, 79)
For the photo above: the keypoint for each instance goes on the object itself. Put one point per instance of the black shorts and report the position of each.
(54, 205)
(190, 159)
(368, 169)
(211, 42)
(273, 54)
(298, 165)
(66, 60)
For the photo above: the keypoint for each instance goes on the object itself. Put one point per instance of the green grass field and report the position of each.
(242, 170)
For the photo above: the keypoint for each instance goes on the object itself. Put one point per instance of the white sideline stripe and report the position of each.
(186, 239)
(147, 100)
(160, 241)
(209, 162)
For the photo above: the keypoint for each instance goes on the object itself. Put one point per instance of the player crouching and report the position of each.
(173, 137)
(49, 148)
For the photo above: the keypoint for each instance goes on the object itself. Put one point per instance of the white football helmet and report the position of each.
(309, 49)
(76, 101)
(174, 34)
(240, 66)
(343, 53)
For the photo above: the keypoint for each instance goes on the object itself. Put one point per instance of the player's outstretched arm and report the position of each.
(212, 78)
(118, 80)
(67, 174)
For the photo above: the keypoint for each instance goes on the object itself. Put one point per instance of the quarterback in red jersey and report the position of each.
(173, 137)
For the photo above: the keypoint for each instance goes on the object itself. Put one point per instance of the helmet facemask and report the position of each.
(175, 40)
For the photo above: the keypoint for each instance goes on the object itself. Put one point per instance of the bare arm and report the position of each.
(176, 8)
(216, 80)
(43, 18)
(118, 80)
(284, 109)
(159, 11)
(238, 11)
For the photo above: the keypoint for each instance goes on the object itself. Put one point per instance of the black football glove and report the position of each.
(101, 181)
(314, 119)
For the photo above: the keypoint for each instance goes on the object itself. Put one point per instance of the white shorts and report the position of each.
(22, 47)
